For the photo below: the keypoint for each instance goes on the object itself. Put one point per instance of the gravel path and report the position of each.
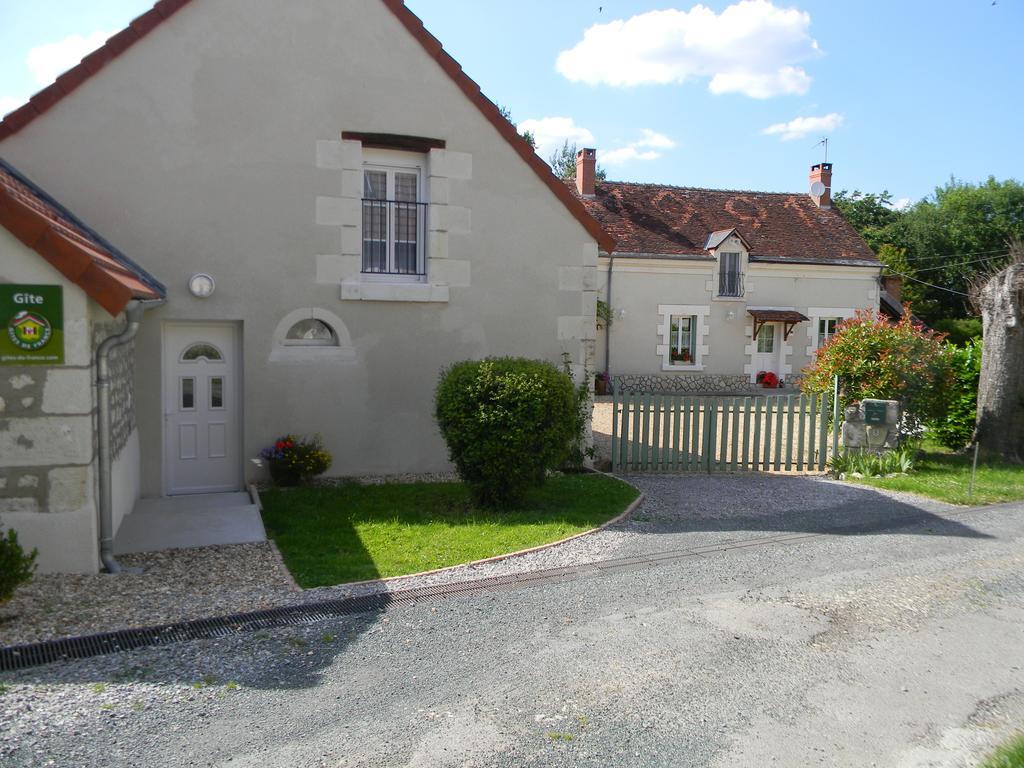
(894, 645)
(175, 585)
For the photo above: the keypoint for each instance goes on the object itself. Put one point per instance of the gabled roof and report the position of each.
(105, 274)
(655, 219)
(715, 239)
(144, 24)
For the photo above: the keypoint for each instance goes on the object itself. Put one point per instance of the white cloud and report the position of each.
(46, 62)
(752, 47)
(901, 204)
(799, 127)
(552, 132)
(642, 149)
(9, 104)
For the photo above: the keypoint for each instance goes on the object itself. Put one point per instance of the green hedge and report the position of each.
(956, 428)
(507, 421)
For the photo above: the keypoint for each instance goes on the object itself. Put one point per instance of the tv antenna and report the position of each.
(823, 143)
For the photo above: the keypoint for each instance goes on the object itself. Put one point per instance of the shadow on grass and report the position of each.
(333, 535)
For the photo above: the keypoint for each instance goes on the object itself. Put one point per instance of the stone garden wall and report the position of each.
(691, 384)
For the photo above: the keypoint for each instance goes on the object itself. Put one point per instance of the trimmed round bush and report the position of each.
(507, 421)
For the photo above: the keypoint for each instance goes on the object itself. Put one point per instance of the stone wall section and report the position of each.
(694, 383)
(47, 445)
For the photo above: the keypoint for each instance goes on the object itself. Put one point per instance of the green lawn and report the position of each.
(334, 535)
(946, 476)
(1009, 755)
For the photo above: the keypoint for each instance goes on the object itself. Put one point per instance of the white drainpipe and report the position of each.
(133, 314)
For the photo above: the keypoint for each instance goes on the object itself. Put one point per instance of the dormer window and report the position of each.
(730, 250)
(730, 273)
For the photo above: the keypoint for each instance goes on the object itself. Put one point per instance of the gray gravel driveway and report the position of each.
(821, 624)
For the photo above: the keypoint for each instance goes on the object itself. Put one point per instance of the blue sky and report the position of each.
(908, 92)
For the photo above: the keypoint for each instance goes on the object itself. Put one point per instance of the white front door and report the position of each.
(766, 350)
(201, 409)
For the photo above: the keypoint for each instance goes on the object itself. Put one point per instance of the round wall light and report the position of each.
(201, 285)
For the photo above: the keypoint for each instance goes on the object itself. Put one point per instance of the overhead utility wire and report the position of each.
(931, 285)
(962, 263)
(936, 256)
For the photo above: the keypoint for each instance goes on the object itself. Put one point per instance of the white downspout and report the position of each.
(133, 315)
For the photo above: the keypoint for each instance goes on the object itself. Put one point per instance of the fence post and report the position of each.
(615, 426)
(835, 415)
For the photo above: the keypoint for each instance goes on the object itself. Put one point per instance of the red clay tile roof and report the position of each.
(657, 219)
(144, 24)
(103, 272)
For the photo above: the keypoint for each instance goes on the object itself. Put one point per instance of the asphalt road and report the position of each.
(886, 633)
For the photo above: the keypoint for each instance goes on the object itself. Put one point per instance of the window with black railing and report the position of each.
(394, 224)
(393, 236)
(730, 278)
(730, 284)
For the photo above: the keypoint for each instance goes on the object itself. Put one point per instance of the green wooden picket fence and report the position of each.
(672, 433)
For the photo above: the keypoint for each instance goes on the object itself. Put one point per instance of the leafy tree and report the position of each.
(878, 359)
(528, 135)
(947, 239)
(869, 214)
(563, 163)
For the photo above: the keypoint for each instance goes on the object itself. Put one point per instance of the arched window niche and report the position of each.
(311, 334)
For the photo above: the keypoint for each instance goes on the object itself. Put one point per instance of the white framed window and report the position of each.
(766, 339)
(827, 329)
(730, 274)
(682, 340)
(394, 220)
(682, 335)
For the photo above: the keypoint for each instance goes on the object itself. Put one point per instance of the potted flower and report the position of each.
(291, 459)
(601, 384)
(767, 379)
(678, 357)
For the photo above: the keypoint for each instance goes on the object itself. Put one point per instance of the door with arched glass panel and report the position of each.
(201, 413)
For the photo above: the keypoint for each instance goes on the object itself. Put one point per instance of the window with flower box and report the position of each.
(682, 336)
(683, 340)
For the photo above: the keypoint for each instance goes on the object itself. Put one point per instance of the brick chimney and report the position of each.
(822, 172)
(586, 171)
(893, 285)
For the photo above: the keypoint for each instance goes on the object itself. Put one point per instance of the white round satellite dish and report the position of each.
(817, 189)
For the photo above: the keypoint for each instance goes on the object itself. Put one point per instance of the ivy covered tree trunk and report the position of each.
(1000, 299)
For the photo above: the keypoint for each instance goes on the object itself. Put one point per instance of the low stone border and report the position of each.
(292, 583)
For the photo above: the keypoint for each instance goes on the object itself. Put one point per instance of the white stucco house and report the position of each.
(321, 212)
(707, 288)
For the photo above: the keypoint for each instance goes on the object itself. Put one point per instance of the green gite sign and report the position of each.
(31, 324)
